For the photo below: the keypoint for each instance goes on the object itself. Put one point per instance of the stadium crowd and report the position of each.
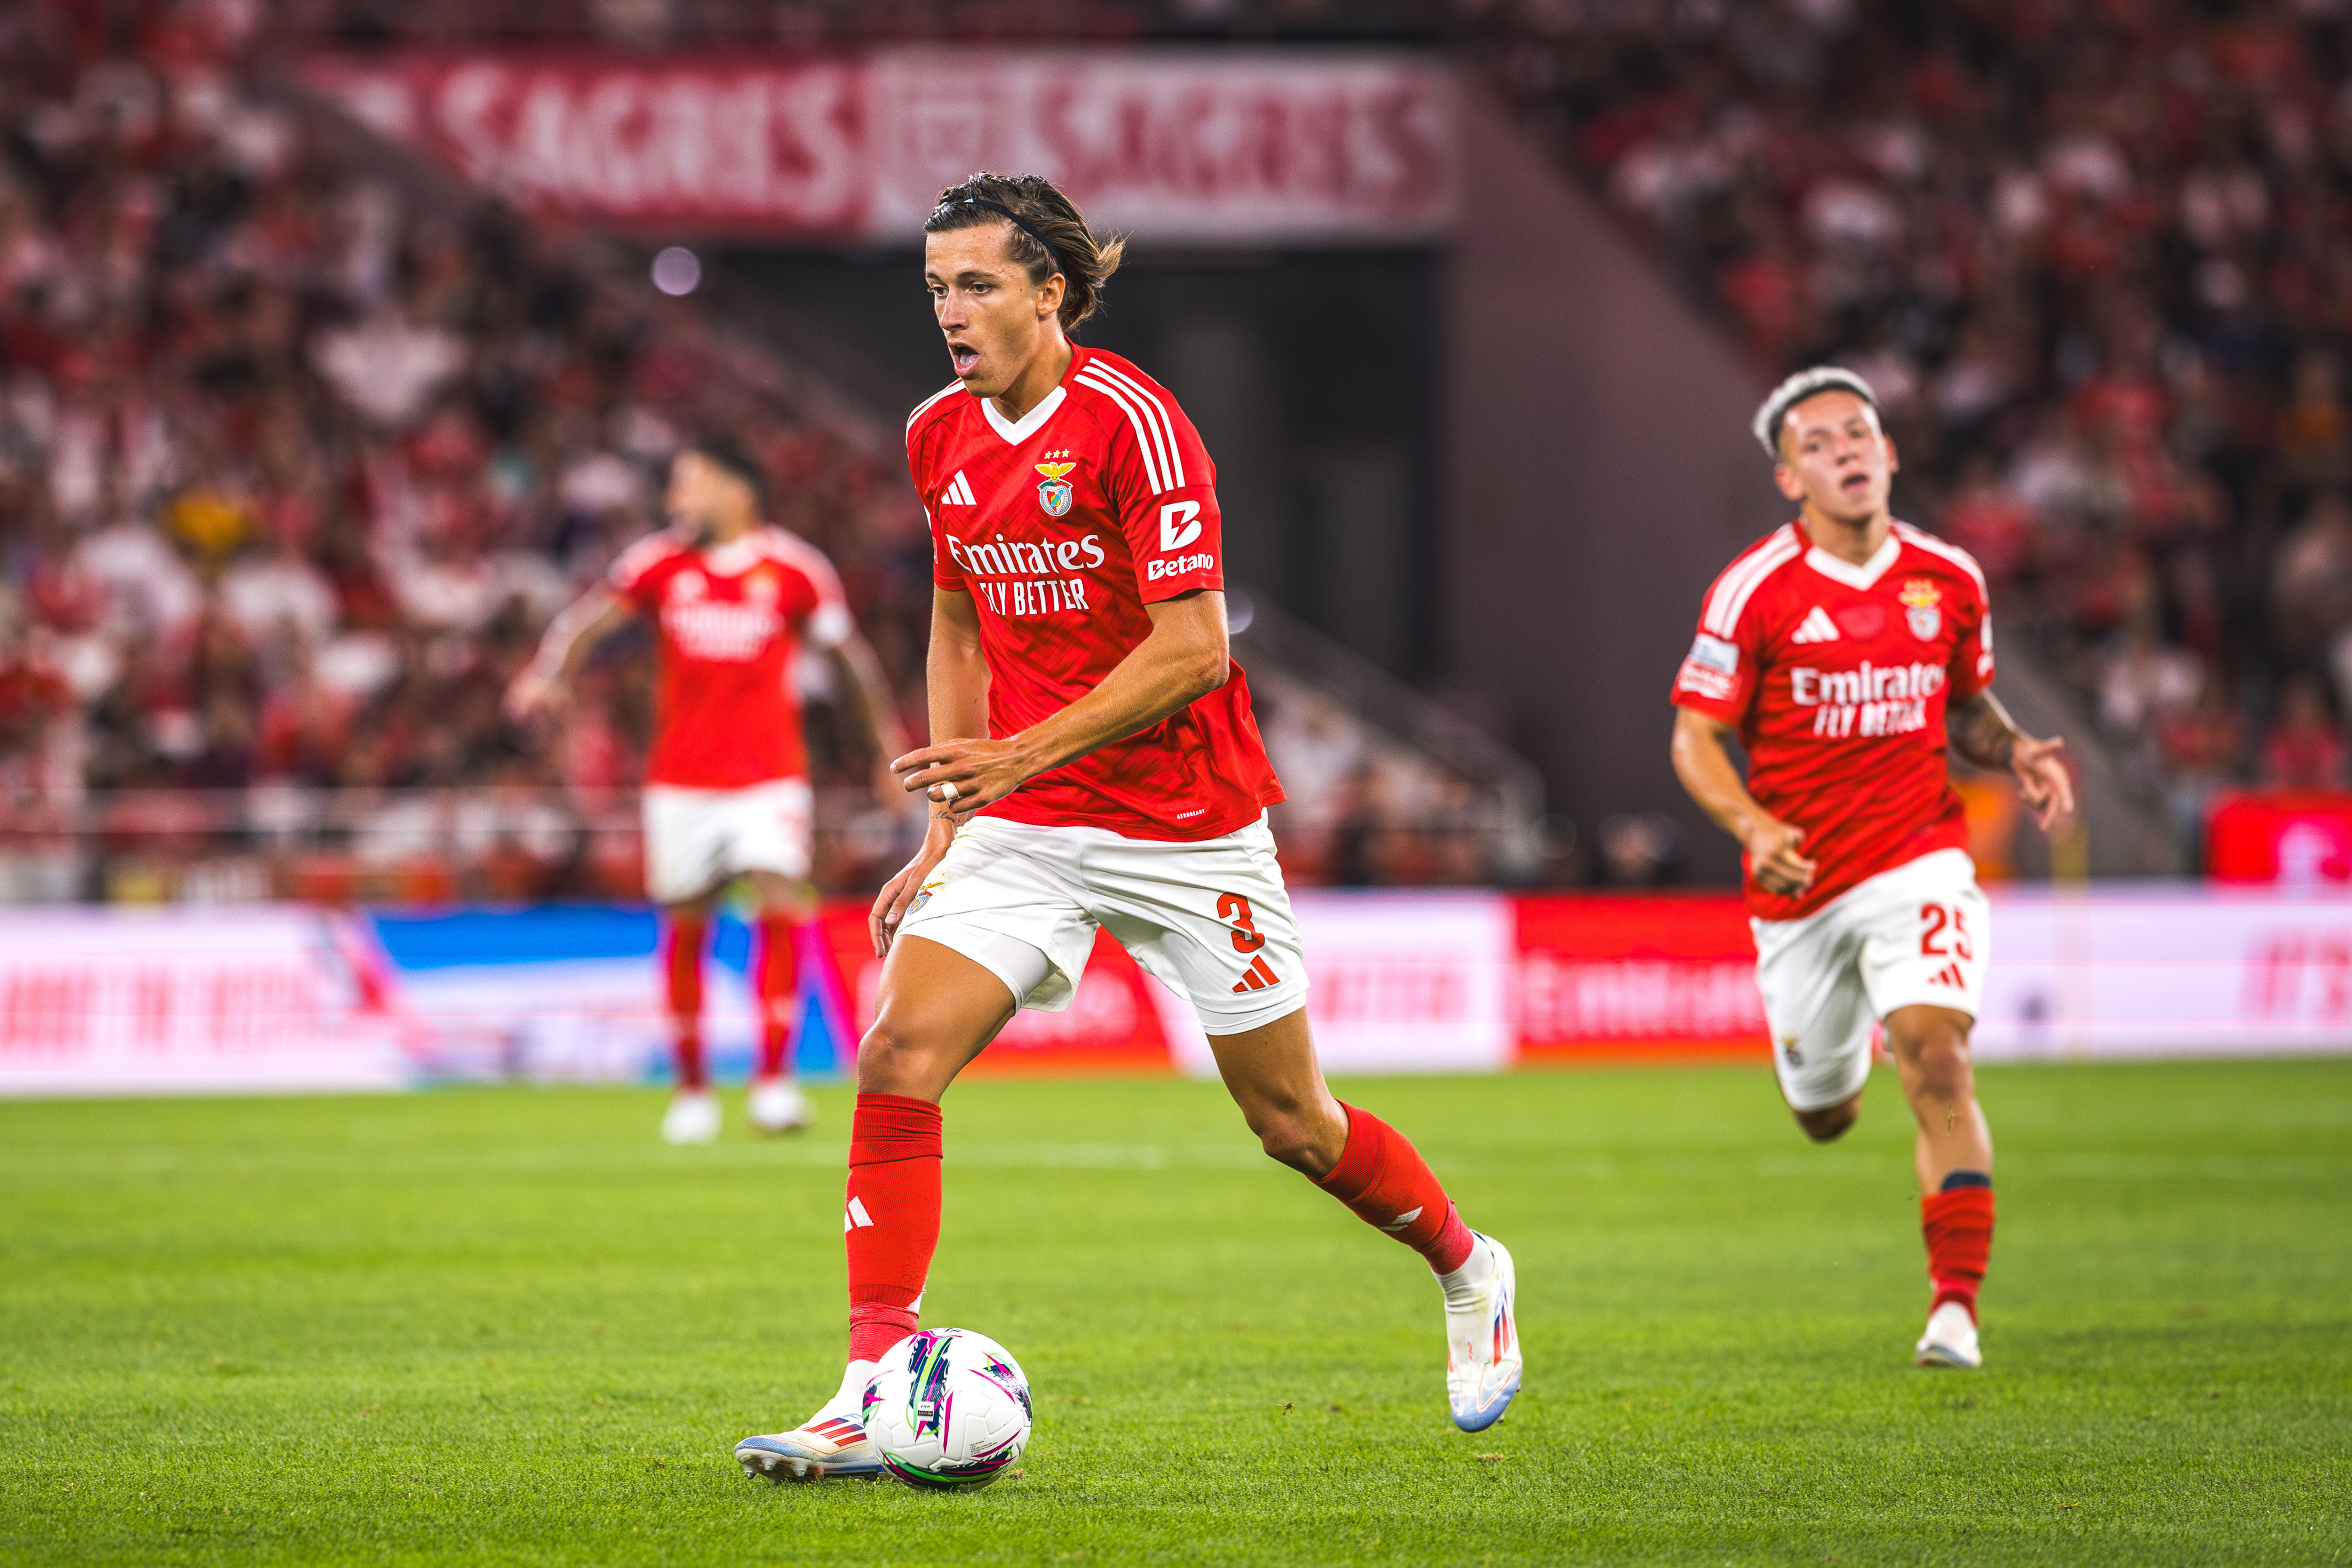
(2094, 256)
(294, 466)
(296, 460)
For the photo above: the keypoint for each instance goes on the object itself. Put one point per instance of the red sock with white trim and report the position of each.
(1385, 1182)
(892, 1222)
(681, 957)
(1958, 1226)
(779, 988)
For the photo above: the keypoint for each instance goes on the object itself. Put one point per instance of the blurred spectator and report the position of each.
(1639, 848)
(292, 469)
(2304, 747)
(2094, 256)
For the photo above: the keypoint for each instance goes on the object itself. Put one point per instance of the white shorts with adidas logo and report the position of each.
(1918, 934)
(1210, 920)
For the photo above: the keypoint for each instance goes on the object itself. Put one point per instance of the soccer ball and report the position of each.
(947, 1408)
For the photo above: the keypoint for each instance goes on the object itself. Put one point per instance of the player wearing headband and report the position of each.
(1844, 648)
(1094, 764)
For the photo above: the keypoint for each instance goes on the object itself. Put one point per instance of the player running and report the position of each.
(1844, 648)
(1078, 622)
(727, 791)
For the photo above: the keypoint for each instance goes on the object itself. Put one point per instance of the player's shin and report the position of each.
(892, 1219)
(682, 944)
(1383, 1180)
(1957, 1224)
(779, 988)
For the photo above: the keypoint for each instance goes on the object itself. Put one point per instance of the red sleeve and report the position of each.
(945, 573)
(1164, 489)
(631, 576)
(1720, 675)
(1971, 667)
(815, 599)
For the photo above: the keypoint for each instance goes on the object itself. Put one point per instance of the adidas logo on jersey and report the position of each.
(958, 492)
(1949, 975)
(1817, 625)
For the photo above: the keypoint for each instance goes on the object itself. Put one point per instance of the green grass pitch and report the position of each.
(506, 1326)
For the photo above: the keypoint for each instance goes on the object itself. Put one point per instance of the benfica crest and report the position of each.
(1920, 598)
(1054, 491)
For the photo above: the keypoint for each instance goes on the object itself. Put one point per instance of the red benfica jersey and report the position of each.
(1837, 677)
(725, 716)
(1062, 527)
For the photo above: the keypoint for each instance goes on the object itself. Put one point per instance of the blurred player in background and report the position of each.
(727, 791)
(1079, 624)
(1843, 650)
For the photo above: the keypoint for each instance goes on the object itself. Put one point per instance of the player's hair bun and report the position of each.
(1049, 235)
(1795, 390)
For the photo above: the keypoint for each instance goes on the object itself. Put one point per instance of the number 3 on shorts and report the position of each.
(1935, 919)
(1233, 907)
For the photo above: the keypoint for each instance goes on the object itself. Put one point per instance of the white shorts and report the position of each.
(1918, 934)
(1209, 919)
(697, 839)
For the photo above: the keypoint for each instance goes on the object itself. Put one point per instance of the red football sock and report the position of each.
(893, 1219)
(779, 987)
(1958, 1229)
(682, 964)
(1385, 1181)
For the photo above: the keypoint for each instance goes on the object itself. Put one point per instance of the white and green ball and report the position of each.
(947, 1408)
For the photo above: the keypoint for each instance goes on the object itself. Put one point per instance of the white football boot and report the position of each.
(830, 1446)
(1482, 1335)
(692, 1118)
(1950, 1339)
(777, 1105)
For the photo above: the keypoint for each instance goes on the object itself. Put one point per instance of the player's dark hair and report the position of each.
(1048, 235)
(735, 457)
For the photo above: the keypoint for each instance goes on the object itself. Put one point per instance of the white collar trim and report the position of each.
(1014, 433)
(1847, 572)
(734, 558)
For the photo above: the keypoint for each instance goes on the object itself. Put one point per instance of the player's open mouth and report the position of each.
(964, 356)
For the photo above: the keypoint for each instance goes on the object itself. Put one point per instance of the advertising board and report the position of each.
(162, 1001)
(1228, 146)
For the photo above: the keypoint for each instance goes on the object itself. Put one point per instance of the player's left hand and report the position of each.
(983, 772)
(2042, 782)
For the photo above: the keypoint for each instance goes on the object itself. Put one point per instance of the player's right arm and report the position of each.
(572, 637)
(1713, 692)
(1703, 761)
(956, 678)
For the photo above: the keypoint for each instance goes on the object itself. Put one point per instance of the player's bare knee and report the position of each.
(894, 1058)
(1300, 1144)
(1291, 1133)
(1830, 1123)
(1939, 1067)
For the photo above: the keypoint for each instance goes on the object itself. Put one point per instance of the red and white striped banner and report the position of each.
(1170, 144)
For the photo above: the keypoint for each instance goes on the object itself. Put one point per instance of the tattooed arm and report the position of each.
(1981, 730)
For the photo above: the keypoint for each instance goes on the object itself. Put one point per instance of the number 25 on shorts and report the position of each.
(1935, 920)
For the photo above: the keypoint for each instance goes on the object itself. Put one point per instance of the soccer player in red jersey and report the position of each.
(727, 791)
(1094, 763)
(1844, 648)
